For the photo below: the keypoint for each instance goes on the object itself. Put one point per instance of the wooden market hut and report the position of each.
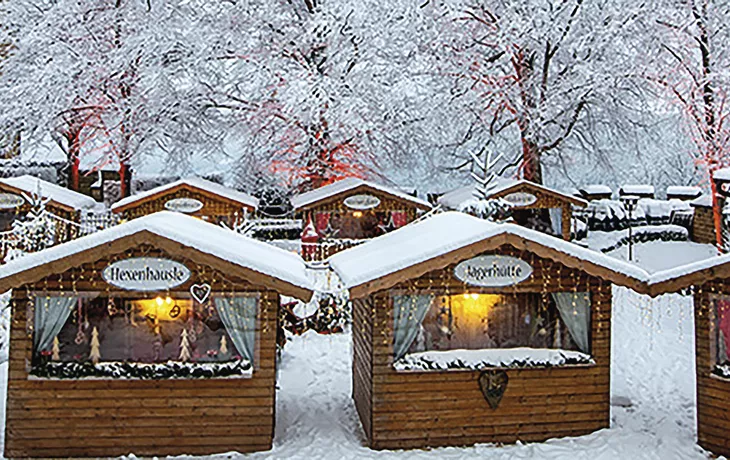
(155, 337)
(526, 198)
(350, 210)
(17, 193)
(466, 331)
(710, 282)
(194, 196)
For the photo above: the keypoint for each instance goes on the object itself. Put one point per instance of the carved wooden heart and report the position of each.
(200, 292)
(493, 384)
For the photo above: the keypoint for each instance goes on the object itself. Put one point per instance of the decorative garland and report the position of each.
(143, 371)
(410, 363)
(722, 371)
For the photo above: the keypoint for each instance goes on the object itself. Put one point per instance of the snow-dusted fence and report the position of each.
(610, 215)
(325, 248)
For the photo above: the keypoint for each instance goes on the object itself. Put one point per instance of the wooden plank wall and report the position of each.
(362, 363)
(90, 418)
(443, 408)
(216, 210)
(713, 393)
(703, 226)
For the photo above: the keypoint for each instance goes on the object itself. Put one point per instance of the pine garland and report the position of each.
(408, 364)
(142, 371)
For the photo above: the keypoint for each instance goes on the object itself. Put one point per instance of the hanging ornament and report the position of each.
(224, 345)
(200, 292)
(111, 308)
(80, 336)
(192, 335)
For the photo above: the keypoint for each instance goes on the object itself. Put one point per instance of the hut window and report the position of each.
(353, 224)
(97, 331)
(477, 321)
(721, 332)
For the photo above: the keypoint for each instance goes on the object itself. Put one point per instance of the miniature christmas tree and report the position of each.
(95, 355)
(184, 347)
(56, 350)
(224, 345)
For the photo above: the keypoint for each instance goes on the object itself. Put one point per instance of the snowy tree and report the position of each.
(36, 230)
(536, 72)
(692, 41)
(101, 76)
(482, 204)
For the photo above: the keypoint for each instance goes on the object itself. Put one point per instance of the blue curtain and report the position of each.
(408, 314)
(239, 317)
(575, 311)
(51, 313)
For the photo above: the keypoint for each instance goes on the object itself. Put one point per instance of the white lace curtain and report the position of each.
(238, 315)
(51, 313)
(575, 311)
(408, 314)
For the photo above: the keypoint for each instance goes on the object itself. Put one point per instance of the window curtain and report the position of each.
(556, 221)
(51, 313)
(408, 314)
(238, 315)
(723, 335)
(575, 311)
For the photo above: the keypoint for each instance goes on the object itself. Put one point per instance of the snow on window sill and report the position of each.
(721, 371)
(170, 370)
(499, 358)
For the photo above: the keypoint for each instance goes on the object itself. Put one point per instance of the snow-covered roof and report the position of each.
(188, 231)
(704, 201)
(454, 198)
(637, 189)
(194, 182)
(684, 190)
(596, 189)
(350, 183)
(57, 194)
(722, 174)
(441, 234)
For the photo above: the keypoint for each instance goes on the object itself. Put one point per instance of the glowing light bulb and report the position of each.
(357, 214)
(168, 300)
(159, 300)
(475, 296)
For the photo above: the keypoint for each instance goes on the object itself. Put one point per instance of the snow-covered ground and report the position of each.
(654, 256)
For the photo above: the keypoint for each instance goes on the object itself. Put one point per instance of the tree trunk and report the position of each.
(73, 137)
(716, 212)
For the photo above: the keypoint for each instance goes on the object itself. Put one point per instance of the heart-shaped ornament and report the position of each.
(493, 384)
(200, 292)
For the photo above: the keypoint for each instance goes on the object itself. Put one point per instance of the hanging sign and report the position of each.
(493, 271)
(520, 199)
(362, 201)
(184, 205)
(146, 274)
(10, 201)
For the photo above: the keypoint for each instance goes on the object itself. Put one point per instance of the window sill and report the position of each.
(141, 371)
(497, 359)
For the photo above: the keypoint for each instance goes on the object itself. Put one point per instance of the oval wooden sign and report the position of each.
(184, 205)
(493, 271)
(520, 199)
(146, 274)
(362, 202)
(11, 201)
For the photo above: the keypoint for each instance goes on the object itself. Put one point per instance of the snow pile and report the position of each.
(480, 359)
(683, 192)
(637, 189)
(611, 215)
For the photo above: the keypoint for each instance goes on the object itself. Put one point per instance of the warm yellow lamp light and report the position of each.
(159, 301)
(357, 214)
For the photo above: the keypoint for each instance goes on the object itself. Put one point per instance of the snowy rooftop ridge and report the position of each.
(188, 231)
(444, 233)
(61, 195)
(195, 182)
(344, 185)
(454, 198)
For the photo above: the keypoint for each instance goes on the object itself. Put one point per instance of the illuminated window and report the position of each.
(158, 329)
